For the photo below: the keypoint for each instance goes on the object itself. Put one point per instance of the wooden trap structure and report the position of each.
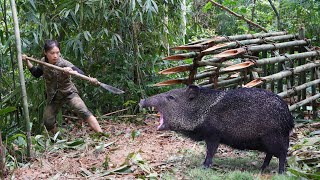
(283, 63)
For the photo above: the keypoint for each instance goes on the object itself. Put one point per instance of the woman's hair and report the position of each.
(49, 44)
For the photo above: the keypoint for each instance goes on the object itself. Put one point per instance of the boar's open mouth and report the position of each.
(162, 126)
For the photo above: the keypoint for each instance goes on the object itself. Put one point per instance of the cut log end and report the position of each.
(170, 82)
(239, 66)
(231, 52)
(254, 83)
(176, 70)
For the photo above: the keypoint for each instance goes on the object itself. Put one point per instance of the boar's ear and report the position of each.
(193, 91)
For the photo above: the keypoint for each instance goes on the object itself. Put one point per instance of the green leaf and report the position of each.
(32, 4)
(207, 7)
(7, 110)
(135, 134)
(76, 8)
(75, 143)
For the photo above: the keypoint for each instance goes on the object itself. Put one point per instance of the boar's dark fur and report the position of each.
(244, 118)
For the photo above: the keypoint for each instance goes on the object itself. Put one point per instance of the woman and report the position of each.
(60, 89)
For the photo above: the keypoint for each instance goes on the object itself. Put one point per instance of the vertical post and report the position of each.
(265, 71)
(302, 77)
(313, 91)
(21, 75)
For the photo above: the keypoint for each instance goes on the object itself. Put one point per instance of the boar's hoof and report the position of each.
(207, 165)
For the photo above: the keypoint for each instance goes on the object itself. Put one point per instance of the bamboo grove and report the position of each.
(286, 64)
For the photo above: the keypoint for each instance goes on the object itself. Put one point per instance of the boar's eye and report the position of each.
(170, 98)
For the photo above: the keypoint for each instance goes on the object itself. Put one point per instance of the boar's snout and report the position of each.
(142, 103)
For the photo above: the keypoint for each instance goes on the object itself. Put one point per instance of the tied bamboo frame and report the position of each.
(265, 60)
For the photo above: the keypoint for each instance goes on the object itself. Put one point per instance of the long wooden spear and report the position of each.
(105, 86)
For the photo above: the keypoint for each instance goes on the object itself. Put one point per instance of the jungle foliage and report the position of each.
(122, 43)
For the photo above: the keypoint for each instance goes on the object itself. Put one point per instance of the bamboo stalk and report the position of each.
(304, 102)
(21, 76)
(289, 92)
(2, 159)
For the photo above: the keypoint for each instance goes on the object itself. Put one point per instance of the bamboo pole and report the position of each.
(302, 75)
(235, 44)
(283, 74)
(304, 102)
(206, 43)
(313, 92)
(264, 47)
(21, 76)
(289, 92)
(271, 60)
(226, 82)
(264, 67)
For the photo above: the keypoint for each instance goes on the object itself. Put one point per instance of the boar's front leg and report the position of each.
(212, 146)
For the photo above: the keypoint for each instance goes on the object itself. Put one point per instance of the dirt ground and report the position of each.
(156, 149)
(159, 151)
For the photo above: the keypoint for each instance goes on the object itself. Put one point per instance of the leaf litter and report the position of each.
(131, 151)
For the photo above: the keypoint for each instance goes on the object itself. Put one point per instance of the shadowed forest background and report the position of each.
(122, 43)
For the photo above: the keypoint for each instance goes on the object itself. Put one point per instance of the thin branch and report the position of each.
(237, 15)
(252, 13)
(276, 12)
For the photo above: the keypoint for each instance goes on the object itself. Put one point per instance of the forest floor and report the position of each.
(130, 151)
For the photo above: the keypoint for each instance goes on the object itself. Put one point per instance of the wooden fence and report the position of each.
(286, 64)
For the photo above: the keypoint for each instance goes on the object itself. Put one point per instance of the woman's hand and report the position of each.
(67, 70)
(94, 81)
(24, 57)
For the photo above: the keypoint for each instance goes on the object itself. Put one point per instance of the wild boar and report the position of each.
(243, 118)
